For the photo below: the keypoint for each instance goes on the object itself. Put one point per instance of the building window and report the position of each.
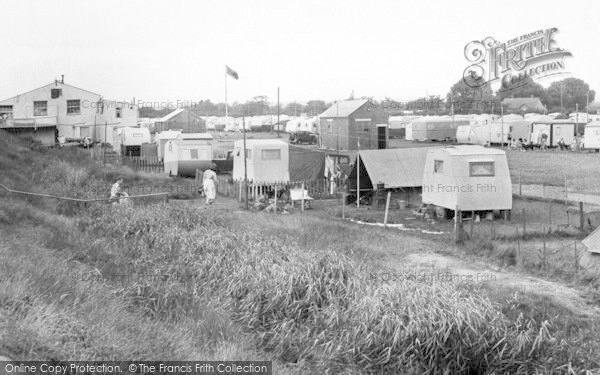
(270, 154)
(73, 107)
(481, 169)
(55, 93)
(194, 154)
(118, 112)
(438, 166)
(6, 111)
(40, 108)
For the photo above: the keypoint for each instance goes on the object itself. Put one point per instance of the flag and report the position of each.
(231, 72)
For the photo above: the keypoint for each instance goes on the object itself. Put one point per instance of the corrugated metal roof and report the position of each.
(592, 242)
(396, 168)
(343, 108)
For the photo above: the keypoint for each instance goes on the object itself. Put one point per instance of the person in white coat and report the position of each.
(209, 184)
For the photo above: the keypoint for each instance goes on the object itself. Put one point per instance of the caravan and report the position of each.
(470, 178)
(162, 138)
(554, 131)
(493, 133)
(183, 156)
(591, 137)
(132, 140)
(267, 160)
(436, 128)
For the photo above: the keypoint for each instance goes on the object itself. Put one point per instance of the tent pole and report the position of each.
(245, 161)
(358, 180)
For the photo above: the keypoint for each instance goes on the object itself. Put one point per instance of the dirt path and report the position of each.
(480, 272)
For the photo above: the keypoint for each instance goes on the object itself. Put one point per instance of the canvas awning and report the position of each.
(592, 242)
(395, 168)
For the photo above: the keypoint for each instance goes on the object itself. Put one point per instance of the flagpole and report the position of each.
(225, 94)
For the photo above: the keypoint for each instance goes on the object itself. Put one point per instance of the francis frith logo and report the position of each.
(534, 55)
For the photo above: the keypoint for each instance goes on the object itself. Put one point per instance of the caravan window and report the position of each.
(248, 153)
(194, 154)
(481, 169)
(438, 166)
(270, 154)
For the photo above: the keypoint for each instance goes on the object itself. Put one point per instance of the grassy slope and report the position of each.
(297, 255)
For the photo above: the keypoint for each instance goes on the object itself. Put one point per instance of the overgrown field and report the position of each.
(313, 300)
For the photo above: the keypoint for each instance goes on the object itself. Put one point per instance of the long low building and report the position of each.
(74, 112)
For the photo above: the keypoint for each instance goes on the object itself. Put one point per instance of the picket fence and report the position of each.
(228, 187)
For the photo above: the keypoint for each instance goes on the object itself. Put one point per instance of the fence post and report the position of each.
(302, 197)
(581, 216)
(240, 190)
(472, 224)
(457, 229)
(518, 245)
(550, 218)
(576, 258)
(492, 231)
(566, 191)
(544, 250)
(275, 211)
(344, 207)
(387, 208)
(524, 223)
(520, 186)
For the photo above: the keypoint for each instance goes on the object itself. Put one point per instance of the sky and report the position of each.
(176, 51)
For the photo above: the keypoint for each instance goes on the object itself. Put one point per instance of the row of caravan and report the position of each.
(289, 124)
(181, 153)
(489, 129)
(554, 131)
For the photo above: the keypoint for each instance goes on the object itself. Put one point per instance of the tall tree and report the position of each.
(574, 91)
(315, 107)
(525, 88)
(467, 99)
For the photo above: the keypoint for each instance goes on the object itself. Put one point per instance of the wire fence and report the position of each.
(84, 201)
(539, 235)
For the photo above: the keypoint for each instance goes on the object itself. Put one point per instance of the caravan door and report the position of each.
(564, 131)
(537, 131)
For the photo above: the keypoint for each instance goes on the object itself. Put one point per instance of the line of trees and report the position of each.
(563, 96)
(258, 105)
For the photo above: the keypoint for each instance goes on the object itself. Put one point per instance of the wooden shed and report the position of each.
(350, 123)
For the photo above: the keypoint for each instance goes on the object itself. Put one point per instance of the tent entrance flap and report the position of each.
(365, 179)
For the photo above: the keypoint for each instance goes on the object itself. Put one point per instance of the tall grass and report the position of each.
(306, 305)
